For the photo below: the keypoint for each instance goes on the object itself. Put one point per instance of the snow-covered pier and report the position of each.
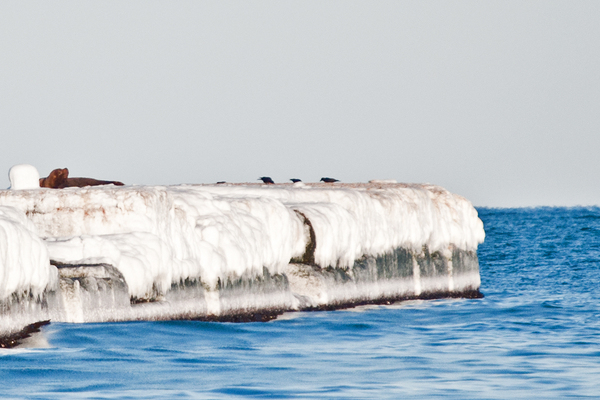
(229, 251)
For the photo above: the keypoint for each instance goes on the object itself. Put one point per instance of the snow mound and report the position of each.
(24, 176)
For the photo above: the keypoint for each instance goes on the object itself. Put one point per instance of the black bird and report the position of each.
(329, 180)
(266, 179)
(296, 180)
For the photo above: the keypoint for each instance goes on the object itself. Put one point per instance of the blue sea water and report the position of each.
(535, 334)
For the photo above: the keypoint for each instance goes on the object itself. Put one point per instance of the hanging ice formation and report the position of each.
(229, 252)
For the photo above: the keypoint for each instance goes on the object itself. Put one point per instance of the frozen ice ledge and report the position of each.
(229, 251)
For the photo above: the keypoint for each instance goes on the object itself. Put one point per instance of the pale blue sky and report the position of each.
(496, 100)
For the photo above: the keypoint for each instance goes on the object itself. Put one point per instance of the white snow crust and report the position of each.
(157, 235)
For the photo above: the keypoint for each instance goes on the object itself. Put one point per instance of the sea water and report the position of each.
(535, 334)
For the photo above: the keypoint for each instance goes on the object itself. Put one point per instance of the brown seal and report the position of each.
(59, 178)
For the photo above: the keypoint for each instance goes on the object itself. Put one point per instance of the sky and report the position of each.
(498, 101)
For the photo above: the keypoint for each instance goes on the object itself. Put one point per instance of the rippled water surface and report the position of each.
(536, 334)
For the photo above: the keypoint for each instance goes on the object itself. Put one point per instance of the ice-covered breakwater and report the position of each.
(229, 251)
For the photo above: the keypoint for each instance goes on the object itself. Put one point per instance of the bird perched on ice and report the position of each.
(329, 180)
(295, 180)
(267, 180)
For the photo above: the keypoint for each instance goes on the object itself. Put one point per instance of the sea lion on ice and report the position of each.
(59, 178)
